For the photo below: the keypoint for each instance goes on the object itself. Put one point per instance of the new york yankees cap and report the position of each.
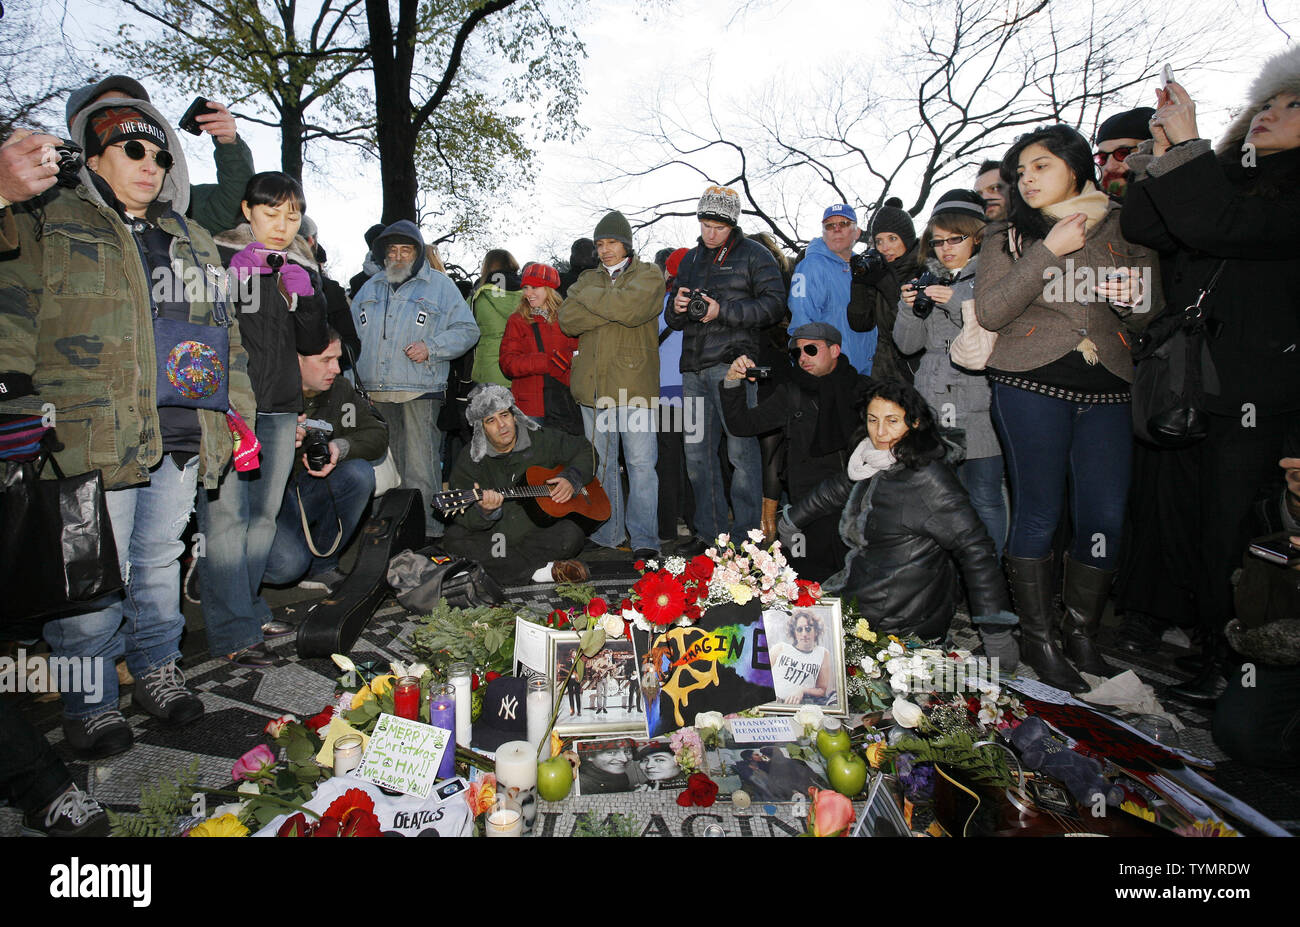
(503, 717)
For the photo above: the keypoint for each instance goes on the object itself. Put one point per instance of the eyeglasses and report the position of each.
(809, 349)
(954, 241)
(836, 226)
(135, 151)
(1119, 154)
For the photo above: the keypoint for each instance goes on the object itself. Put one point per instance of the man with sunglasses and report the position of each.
(814, 410)
(1117, 137)
(103, 267)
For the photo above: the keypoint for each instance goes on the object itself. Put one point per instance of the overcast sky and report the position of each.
(638, 55)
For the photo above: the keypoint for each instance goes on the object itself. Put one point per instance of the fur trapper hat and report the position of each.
(489, 399)
(1280, 74)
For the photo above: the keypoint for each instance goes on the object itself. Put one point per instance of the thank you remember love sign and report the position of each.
(404, 755)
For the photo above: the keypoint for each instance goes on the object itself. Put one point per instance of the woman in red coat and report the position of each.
(529, 365)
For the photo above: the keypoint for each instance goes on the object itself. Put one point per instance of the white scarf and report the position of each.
(866, 461)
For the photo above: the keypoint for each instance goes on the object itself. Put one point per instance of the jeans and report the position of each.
(634, 428)
(238, 526)
(146, 623)
(1260, 724)
(982, 478)
(342, 497)
(1051, 446)
(31, 776)
(416, 443)
(704, 468)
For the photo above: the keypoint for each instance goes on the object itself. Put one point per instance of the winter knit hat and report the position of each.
(1280, 74)
(719, 204)
(1133, 123)
(82, 97)
(489, 399)
(536, 274)
(675, 261)
(614, 225)
(119, 124)
(961, 203)
(891, 218)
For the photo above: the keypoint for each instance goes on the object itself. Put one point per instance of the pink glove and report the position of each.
(247, 447)
(296, 279)
(249, 261)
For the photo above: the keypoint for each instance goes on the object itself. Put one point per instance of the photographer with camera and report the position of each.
(333, 478)
(814, 411)
(729, 289)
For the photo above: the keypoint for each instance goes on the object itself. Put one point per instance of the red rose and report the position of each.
(295, 825)
(693, 612)
(853, 671)
(809, 592)
(328, 827)
(626, 605)
(597, 607)
(473, 682)
(639, 565)
(700, 790)
(492, 674)
(319, 722)
(701, 567)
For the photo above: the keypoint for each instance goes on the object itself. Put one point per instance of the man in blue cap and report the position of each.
(820, 289)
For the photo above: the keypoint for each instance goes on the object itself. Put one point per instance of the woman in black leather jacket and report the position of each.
(905, 517)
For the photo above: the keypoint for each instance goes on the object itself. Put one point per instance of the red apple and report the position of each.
(555, 778)
(847, 773)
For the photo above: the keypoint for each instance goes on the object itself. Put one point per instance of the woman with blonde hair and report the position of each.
(533, 349)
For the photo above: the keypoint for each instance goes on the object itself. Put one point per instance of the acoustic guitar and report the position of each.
(589, 502)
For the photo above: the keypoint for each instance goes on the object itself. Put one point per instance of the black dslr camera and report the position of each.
(867, 265)
(923, 305)
(697, 308)
(316, 443)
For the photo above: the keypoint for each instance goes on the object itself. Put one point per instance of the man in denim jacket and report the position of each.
(412, 321)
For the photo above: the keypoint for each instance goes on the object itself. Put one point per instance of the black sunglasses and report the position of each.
(954, 241)
(809, 349)
(1119, 154)
(135, 151)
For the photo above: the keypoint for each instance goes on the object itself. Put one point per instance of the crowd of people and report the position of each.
(906, 417)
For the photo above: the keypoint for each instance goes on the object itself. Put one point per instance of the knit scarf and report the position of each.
(865, 461)
(1091, 202)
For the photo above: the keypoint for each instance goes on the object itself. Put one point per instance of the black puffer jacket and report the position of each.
(744, 278)
(903, 527)
(274, 335)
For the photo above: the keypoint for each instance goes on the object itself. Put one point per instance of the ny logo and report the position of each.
(508, 706)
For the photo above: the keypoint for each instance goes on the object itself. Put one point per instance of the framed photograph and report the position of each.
(627, 764)
(806, 650)
(767, 772)
(881, 816)
(607, 700)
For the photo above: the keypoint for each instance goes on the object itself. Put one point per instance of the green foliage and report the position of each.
(483, 636)
(614, 825)
(986, 765)
(581, 593)
(163, 807)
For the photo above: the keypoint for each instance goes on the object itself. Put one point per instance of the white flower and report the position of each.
(810, 716)
(755, 535)
(709, 721)
(723, 540)
(233, 807)
(907, 714)
(870, 667)
(613, 625)
(895, 648)
(249, 788)
(675, 565)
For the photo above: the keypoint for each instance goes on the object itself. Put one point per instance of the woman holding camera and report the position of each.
(275, 283)
(1054, 284)
(873, 297)
(1226, 221)
(908, 524)
(949, 247)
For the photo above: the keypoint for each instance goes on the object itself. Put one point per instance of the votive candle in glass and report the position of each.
(442, 713)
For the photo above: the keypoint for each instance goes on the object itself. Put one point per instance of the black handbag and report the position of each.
(560, 408)
(57, 552)
(1173, 374)
(421, 578)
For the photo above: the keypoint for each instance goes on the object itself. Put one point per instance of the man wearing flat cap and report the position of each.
(814, 410)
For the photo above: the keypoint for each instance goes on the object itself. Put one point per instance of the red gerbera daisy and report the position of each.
(662, 598)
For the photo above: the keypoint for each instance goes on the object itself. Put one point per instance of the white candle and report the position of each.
(458, 675)
(538, 709)
(516, 765)
(505, 822)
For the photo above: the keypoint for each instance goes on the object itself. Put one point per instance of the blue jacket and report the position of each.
(819, 292)
(426, 308)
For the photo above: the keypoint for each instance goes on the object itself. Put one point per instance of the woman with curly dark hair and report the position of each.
(905, 518)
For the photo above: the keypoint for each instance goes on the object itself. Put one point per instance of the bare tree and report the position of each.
(38, 68)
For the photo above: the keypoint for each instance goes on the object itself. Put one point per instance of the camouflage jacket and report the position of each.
(75, 315)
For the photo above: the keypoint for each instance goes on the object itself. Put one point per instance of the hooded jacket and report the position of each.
(493, 306)
(744, 278)
(275, 333)
(426, 307)
(76, 317)
(819, 292)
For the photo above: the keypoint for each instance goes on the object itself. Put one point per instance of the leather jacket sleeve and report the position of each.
(829, 496)
(956, 527)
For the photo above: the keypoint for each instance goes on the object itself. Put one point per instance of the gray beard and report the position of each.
(397, 272)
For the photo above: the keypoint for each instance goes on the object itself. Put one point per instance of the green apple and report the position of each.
(847, 773)
(555, 778)
(830, 743)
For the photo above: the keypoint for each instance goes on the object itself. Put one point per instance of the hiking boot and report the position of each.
(72, 814)
(162, 694)
(103, 735)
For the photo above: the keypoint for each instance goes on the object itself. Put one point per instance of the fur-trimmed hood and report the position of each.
(1276, 643)
(1280, 74)
(241, 236)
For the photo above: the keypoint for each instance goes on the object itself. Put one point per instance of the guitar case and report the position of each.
(333, 624)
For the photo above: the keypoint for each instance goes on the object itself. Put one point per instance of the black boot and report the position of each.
(1139, 633)
(1203, 690)
(1084, 594)
(1031, 588)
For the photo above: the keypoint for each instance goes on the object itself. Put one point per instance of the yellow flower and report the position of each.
(378, 686)
(740, 593)
(1137, 811)
(876, 753)
(225, 826)
(556, 743)
(863, 631)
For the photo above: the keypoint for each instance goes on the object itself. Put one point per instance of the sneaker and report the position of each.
(327, 581)
(72, 814)
(162, 694)
(103, 735)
